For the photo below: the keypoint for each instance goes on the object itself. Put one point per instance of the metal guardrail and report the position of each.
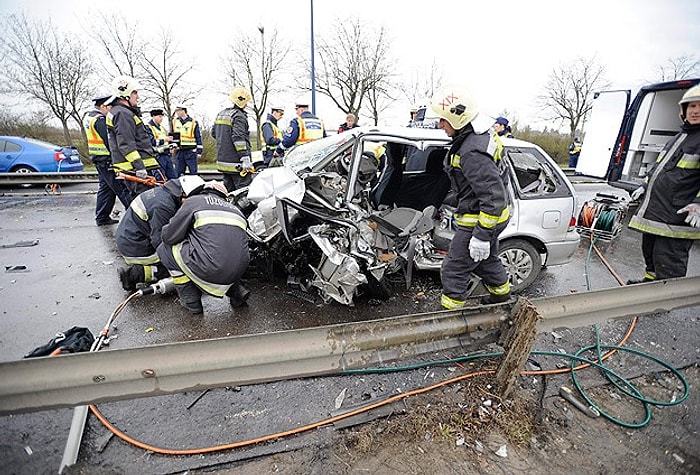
(71, 178)
(110, 375)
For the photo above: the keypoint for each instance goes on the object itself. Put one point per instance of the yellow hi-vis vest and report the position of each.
(308, 134)
(186, 130)
(96, 146)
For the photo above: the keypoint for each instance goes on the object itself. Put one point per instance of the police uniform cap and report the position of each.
(99, 100)
(156, 112)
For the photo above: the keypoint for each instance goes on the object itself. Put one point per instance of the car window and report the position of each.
(533, 176)
(310, 155)
(9, 147)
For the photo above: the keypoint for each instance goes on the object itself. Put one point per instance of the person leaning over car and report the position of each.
(232, 136)
(109, 188)
(130, 144)
(482, 211)
(205, 248)
(669, 213)
(304, 128)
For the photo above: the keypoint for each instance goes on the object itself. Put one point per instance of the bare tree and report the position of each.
(165, 70)
(255, 60)
(120, 45)
(351, 68)
(423, 83)
(680, 67)
(48, 66)
(568, 95)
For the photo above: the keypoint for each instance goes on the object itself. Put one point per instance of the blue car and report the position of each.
(28, 155)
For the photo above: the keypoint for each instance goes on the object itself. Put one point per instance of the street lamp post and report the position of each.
(313, 70)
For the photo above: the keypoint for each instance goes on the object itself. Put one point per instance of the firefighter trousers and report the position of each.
(665, 257)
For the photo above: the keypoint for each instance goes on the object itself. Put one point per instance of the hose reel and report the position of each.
(602, 217)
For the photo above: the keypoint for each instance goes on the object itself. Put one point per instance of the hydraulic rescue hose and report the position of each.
(578, 362)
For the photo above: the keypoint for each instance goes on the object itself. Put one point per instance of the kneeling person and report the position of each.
(205, 248)
(139, 232)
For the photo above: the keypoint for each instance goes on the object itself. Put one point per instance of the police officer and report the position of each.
(669, 213)
(574, 152)
(190, 147)
(271, 134)
(232, 135)
(304, 128)
(161, 139)
(130, 144)
(109, 188)
(482, 211)
(205, 248)
(139, 232)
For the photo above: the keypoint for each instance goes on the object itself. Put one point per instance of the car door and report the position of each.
(602, 130)
(9, 152)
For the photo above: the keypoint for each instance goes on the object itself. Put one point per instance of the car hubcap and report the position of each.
(518, 264)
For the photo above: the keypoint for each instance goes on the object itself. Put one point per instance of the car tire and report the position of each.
(522, 262)
(23, 169)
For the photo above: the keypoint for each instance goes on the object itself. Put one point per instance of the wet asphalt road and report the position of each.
(69, 277)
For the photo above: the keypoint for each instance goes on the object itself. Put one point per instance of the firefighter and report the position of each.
(129, 142)
(669, 213)
(190, 148)
(205, 248)
(232, 136)
(271, 134)
(304, 128)
(109, 188)
(139, 232)
(482, 211)
(161, 140)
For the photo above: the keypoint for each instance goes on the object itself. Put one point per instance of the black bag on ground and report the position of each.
(75, 340)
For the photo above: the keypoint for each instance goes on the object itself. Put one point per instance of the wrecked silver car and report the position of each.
(357, 212)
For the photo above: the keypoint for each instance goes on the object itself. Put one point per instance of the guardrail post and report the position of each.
(517, 341)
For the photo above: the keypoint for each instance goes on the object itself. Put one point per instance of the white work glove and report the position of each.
(143, 174)
(693, 218)
(246, 164)
(478, 249)
(636, 194)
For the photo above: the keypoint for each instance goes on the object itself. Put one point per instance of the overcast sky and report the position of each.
(504, 51)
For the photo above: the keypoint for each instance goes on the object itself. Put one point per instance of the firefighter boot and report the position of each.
(493, 299)
(238, 295)
(190, 297)
(130, 276)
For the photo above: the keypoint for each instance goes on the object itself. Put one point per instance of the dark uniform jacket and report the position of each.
(209, 241)
(139, 231)
(477, 183)
(272, 136)
(673, 183)
(129, 142)
(232, 136)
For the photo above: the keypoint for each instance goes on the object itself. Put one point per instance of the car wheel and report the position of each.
(522, 262)
(24, 169)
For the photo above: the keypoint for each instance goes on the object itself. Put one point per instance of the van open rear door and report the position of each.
(602, 131)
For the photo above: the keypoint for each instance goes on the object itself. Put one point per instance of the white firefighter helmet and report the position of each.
(455, 104)
(123, 86)
(189, 183)
(217, 186)
(240, 95)
(691, 95)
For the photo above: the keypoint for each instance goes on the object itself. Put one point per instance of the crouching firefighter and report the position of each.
(139, 232)
(205, 248)
(482, 211)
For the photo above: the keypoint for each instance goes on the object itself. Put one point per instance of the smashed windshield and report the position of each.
(308, 155)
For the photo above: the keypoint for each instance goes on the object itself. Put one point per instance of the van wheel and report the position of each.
(522, 262)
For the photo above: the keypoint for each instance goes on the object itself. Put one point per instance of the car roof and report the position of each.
(31, 141)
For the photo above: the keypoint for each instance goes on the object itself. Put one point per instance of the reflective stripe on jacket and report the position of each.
(231, 132)
(160, 134)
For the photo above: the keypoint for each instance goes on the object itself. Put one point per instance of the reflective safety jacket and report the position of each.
(96, 131)
(673, 183)
(159, 136)
(209, 241)
(303, 129)
(232, 136)
(271, 137)
(477, 183)
(129, 142)
(139, 231)
(190, 133)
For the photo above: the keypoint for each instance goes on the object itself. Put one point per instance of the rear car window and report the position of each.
(533, 176)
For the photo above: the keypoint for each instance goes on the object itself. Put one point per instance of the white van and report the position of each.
(624, 139)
